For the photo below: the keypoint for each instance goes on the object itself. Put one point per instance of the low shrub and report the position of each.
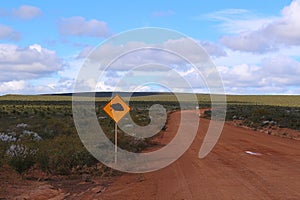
(22, 155)
(63, 153)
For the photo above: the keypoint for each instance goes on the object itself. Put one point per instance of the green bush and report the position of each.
(62, 154)
(22, 155)
(3, 148)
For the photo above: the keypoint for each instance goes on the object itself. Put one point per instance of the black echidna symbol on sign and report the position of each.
(117, 107)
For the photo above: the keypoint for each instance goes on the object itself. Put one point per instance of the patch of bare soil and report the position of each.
(36, 185)
(244, 164)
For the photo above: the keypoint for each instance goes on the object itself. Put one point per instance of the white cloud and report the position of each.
(154, 63)
(12, 86)
(281, 65)
(7, 33)
(287, 29)
(85, 52)
(71, 70)
(56, 80)
(254, 42)
(241, 75)
(105, 86)
(271, 35)
(247, 73)
(79, 26)
(58, 85)
(213, 49)
(280, 73)
(39, 86)
(18, 63)
(26, 12)
(234, 21)
(171, 80)
(144, 55)
(263, 90)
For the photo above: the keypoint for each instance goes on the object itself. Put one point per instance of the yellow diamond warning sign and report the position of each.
(116, 108)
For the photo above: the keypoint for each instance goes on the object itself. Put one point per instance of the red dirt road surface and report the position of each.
(244, 164)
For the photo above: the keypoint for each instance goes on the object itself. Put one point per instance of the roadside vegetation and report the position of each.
(39, 132)
(42, 134)
(258, 116)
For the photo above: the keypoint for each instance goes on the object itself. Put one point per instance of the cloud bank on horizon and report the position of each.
(256, 48)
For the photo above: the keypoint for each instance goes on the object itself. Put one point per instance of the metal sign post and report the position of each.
(116, 108)
(116, 142)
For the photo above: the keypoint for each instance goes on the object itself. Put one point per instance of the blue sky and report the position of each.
(255, 45)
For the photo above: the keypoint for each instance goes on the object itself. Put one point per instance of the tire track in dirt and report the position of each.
(228, 172)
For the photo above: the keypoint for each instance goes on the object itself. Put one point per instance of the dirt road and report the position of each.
(244, 164)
